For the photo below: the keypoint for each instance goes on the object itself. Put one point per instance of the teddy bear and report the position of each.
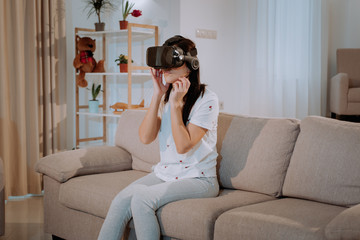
(84, 60)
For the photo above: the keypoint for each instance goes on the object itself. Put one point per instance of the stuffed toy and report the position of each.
(84, 60)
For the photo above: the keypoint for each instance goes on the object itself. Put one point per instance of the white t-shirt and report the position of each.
(200, 161)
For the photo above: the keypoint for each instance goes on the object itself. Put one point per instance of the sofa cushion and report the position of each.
(325, 165)
(127, 137)
(254, 153)
(354, 95)
(195, 218)
(65, 165)
(93, 193)
(345, 226)
(285, 219)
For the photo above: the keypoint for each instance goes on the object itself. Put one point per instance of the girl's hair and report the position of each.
(196, 87)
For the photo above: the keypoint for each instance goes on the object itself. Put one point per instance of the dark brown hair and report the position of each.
(196, 87)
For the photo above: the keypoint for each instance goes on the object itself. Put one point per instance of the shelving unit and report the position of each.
(135, 32)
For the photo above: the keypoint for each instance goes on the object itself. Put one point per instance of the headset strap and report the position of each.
(193, 52)
(173, 40)
(176, 39)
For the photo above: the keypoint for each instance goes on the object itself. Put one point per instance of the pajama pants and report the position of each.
(142, 198)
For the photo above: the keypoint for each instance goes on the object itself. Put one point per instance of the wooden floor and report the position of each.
(24, 219)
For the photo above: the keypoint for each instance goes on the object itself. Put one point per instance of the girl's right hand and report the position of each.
(159, 88)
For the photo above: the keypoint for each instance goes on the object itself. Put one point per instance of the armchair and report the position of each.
(345, 85)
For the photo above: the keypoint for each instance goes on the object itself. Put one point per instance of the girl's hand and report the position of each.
(179, 89)
(159, 88)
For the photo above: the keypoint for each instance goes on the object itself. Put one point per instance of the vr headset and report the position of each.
(163, 57)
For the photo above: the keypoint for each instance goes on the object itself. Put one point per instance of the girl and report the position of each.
(187, 132)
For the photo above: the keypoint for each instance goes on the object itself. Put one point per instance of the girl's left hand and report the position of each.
(179, 89)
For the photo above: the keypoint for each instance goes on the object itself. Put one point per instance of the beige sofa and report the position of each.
(280, 179)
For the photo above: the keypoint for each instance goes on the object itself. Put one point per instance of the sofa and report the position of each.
(280, 179)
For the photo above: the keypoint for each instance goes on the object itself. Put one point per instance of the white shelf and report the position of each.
(90, 144)
(140, 75)
(107, 113)
(123, 77)
(100, 114)
(118, 74)
(137, 35)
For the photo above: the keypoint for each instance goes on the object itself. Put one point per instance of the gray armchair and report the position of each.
(345, 85)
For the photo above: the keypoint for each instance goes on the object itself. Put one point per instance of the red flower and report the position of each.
(136, 13)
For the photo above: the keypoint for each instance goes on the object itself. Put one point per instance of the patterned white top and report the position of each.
(200, 161)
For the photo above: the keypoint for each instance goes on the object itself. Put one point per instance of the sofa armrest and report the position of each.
(339, 88)
(65, 165)
(346, 225)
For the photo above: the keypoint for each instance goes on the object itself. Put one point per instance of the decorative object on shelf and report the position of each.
(123, 63)
(126, 11)
(84, 60)
(97, 7)
(94, 103)
(119, 107)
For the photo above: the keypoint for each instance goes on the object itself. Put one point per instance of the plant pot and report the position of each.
(123, 24)
(123, 67)
(100, 26)
(93, 106)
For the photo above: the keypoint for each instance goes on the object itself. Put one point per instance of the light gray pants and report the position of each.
(143, 197)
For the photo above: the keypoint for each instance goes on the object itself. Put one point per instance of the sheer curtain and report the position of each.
(32, 89)
(282, 57)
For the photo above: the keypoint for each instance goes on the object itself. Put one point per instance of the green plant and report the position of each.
(122, 59)
(95, 91)
(127, 8)
(98, 6)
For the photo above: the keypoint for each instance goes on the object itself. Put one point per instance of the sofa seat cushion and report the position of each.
(195, 218)
(93, 193)
(254, 153)
(345, 226)
(285, 219)
(354, 95)
(325, 165)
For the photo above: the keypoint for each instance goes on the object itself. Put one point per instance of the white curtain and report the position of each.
(282, 57)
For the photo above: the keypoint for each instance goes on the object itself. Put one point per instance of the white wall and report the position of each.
(217, 56)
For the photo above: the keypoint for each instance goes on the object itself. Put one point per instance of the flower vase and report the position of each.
(93, 106)
(123, 24)
(123, 67)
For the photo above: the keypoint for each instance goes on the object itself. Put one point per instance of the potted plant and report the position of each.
(97, 7)
(126, 8)
(123, 62)
(94, 103)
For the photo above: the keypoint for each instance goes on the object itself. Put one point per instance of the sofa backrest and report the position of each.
(127, 137)
(254, 153)
(325, 165)
(348, 61)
